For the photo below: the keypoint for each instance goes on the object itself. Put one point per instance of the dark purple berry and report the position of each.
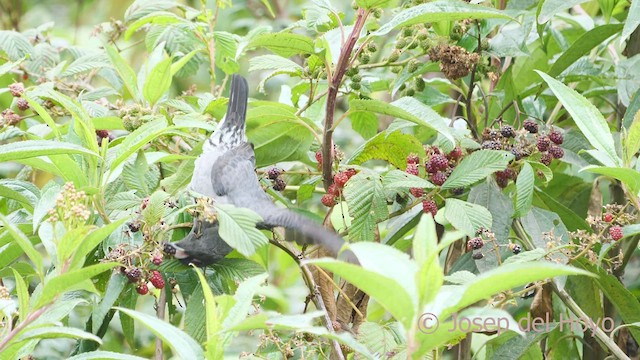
(102, 133)
(518, 153)
(429, 168)
(502, 182)
(16, 89)
(412, 169)
(429, 206)
(543, 143)
(134, 275)
(516, 249)
(169, 249)
(477, 256)
(556, 152)
(556, 137)
(475, 243)
(457, 191)
(546, 158)
(273, 173)
(439, 178)
(134, 226)
(508, 131)
(417, 192)
(530, 126)
(491, 145)
(455, 154)
(279, 184)
(22, 104)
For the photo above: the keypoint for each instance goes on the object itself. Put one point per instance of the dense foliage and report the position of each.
(480, 158)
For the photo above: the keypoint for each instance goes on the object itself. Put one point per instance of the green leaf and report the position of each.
(238, 229)
(396, 179)
(477, 166)
(393, 148)
(632, 141)
(572, 221)
(278, 64)
(370, 4)
(466, 216)
(23, 296)
(92, 240)
(632, 22)
(104, 355)
(56, 332)
(212, 323)
(588, 118)
(157, 82)
(425, 251)
(244, 299)
(441, 10)
(21, 239)
(44, 115)
(582, 46)
(33, 148)
(182, 345)
(551, 7)
(284, 44)
(11, 189)
(226, 50)
(524, 190)
(155, 18)
(123, 69)
(367, 204)
(386, 274)
(70, 240)
(71, 280)
(137, 139)
(630, 177)
(116, 284)
(364, 123)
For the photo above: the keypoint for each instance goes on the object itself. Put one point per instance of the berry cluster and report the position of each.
(455, 61)
(356, 79)
(274, 174)
(9, 118)
(611, 222)
(334, 192)
(476, 243)
(135, 269)
(70, 207)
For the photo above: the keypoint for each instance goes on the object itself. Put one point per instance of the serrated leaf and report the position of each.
(477, 166)
(23, 296)
(21, 191)
(15, 44)
(212, 322)
(123, 201)
(33, 148)
(155, 18)
(158, 81)
(89, 242)
(441, 10)
(367, 205)
(21, 239)
(524, 190)
(588, 118)
(396, 179)
(182, 345)
(238, 229)
(284, 44)
(116, 284)
(632, 141)
(393, 148)
(466, 216)
(630, 177)
(364, 123)
(137, 139)
(123, 69)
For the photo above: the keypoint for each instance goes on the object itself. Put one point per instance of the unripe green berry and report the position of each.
(356, 78)
(356, 85)
(420, 84)
(425, 44)
(407, 31)
(377, 13)
(396, 69)
(484, 44)
(401, 43)
(412, 66)
(395, 55)
(402, 87)
(351, 71)
(372, 47)
(410, 92)
(365, 58)
(413, 45)
(423, 34)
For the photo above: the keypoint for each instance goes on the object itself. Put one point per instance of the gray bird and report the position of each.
(225, 172)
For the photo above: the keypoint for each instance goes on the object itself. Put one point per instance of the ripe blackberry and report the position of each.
(543, 143)
(616, 232)
(334, 190)
(607, 217)
(518, 153)
(455, 154)
(156, 279)
(475, 243)
(413, 159)
(412, 169)
(502, 182)
(439, 162)
(556, 152)
(546, 158)
(417, 192)
(508, 131)
(516, 249)
(22, 104)
(102, 133)
(142, 289)
(429, 206)
(556, 137)
(457, 191)
(16, 89)
(134, 226)
(491, 145)
(279, 184)
(507, 173)
(273, 173)
(530, 126)
(134, 275)
(340, 179)
(168, 249)
(328, 200)
(429, 168)
(438, 178)
(477, 256)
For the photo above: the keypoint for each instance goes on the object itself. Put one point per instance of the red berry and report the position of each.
(546, 158)
(351, 172)
(319, 156)
(16, 89)
(616, 232)
(439, 178)
(156, 279)
(417, 192)
(530, 126)
(413, 159)
(556, 137)
(142, 289)
(607, 217)
(543, 143)
(455, 154)
(412, 169)
(145, 203)
(439, 162)
(22, 104)
(429, 206)
(157, 260)
(340, 179)
(334, 190)
(556, 152)
(429, 168)
(328, 200)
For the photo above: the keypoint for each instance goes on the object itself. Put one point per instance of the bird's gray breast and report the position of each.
(203, 166)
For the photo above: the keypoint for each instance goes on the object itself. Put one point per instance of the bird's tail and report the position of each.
(305, 231)
(231, 131)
